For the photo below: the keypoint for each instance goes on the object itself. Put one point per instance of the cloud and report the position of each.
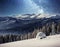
(10, 7)
(31, 7)
(49, 6)
(36, 7)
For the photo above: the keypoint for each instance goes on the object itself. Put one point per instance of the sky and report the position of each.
(49, 6)
(12, 7)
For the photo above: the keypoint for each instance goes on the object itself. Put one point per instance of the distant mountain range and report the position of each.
(20, 20)
(26, 21)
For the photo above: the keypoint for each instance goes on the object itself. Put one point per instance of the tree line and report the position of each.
(49, 29)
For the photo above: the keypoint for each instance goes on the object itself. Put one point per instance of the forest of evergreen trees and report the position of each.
(49, 29)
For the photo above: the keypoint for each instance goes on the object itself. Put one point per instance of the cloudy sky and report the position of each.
(11, 7)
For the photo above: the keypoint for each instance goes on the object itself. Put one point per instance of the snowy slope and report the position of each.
(51, 41)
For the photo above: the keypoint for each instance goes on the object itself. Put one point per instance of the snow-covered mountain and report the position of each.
(33, 16)
(21, 20)
(50, 41)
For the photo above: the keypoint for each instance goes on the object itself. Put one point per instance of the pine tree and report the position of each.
(58, 28)
(53, 29)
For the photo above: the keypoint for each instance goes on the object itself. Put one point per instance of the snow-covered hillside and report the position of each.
(50, 41)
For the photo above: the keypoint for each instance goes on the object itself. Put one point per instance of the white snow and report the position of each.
(40, 35)
(50, 41)
(45, 16)
(37, 16)
(21, 16)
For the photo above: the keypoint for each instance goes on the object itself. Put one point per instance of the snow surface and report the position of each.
(50, 41)
(40, 35)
